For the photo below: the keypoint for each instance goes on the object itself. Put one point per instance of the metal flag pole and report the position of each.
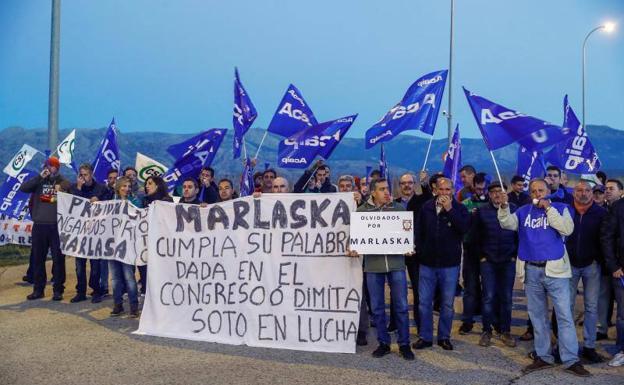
(427, 154)
(260, 145)
(497, 171)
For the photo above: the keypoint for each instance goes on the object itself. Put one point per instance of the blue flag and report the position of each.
(182, 149)
(12, 201)
(530, 165)
(418, 110)
(244, 114)
(453, 160)
(293, 114)
(575, 155)
(191, 164)
(247, 180)
(299, 150)
(501, 126)
(108, 155)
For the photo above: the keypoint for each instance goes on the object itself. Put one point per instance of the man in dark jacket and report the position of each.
(517, 195)
(558, 192)
(438, 234)
(606, 298)
(45, 231)
(322, 183)
(208, 191)
(378, 269)
(89, 188)
(471, 296)
(612, 241)
(583, 247)
(190, 189)
(497, 249)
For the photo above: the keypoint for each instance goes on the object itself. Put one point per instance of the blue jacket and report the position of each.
(494, 243)
(438, 237)
(583, 244)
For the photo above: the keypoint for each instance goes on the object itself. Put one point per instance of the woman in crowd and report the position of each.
(155, 190)
(123, 273)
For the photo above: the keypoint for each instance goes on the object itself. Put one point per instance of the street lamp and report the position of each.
(608, 28)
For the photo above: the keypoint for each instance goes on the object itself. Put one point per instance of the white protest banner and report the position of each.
(147, 167)
(382, 232)
(14, 231)
(65, 149)
(20, 160)
(112, 229)
(268, 272)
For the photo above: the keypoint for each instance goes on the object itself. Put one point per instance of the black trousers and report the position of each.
(45, 237)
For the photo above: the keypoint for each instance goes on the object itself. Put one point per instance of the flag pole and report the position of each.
(497, 171)
(427, 153)
(260, 145)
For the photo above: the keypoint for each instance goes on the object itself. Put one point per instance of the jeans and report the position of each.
(472, 286)
(605, 299)
(591, 287)
(398, 293)
(124, 278)
(538, 289)
(44, 237)
(364, 319)
(498, 281)
(429, 279)
(104, 275)
(618, 286)
(94, 276)
(412, 271)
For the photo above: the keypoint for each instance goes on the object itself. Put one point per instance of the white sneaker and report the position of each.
(618, 360)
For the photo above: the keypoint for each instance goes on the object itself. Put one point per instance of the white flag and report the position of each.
(147, 167)
(65, 149)
(20, 160)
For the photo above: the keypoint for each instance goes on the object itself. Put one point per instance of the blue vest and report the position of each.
(539, 241)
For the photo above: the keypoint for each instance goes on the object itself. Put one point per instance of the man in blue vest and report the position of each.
(542, 228)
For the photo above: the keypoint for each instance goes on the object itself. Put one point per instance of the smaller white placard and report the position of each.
(382, 232)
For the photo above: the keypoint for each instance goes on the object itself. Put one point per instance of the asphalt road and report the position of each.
(46, 342)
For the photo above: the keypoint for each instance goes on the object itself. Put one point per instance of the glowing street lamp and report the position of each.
(608, 28)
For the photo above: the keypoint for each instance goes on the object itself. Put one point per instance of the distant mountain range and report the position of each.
(403, 154)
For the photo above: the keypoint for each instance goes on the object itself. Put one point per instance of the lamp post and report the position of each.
(53, 96)
(449, 115)
(608, 27)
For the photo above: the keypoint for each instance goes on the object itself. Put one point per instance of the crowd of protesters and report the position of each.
(475, 241)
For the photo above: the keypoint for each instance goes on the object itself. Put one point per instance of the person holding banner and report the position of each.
(226, 190)
(122, 273)
(155, 190)
(45, 231)
(131, 173)
(542, 227)
(438, 233)
(190, 189)
(87, 187)
(378, 269)
(209, 192)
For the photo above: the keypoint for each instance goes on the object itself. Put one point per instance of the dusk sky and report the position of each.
(168, 65)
